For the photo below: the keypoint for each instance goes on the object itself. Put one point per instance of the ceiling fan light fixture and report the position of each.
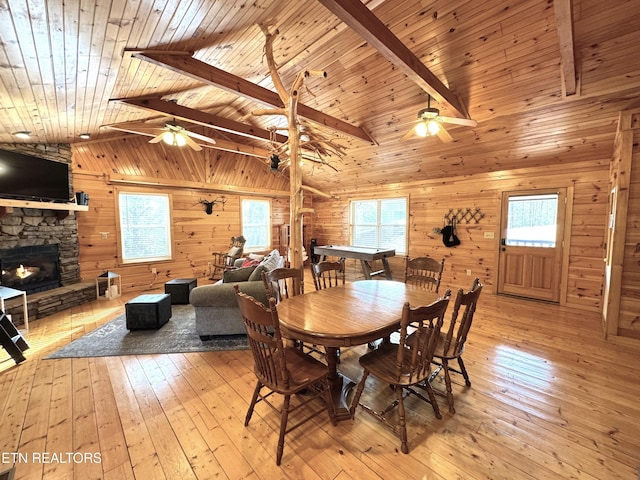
(422, 129)
(433, 127)
(174, 139)
(180, 139)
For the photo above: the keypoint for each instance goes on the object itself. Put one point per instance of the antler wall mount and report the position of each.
(209, 204)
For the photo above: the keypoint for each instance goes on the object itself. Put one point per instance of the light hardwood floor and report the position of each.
(549, 399)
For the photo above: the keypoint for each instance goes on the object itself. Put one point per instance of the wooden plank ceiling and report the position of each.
(510, 65)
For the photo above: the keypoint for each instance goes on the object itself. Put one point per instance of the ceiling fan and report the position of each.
(430, 123)
(172, 133)
(176, 135)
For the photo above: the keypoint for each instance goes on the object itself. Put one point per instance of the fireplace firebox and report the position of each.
(32, 269)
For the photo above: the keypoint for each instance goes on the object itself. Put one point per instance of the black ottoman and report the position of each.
(148, 311)
(180, 288)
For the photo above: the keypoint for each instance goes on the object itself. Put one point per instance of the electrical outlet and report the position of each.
(468, 272)
(488, 235)
(154, 270)
(104, 235)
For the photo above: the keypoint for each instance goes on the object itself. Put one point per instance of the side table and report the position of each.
(7, 293)
(151, 310)
(113, 287)
(180, 288)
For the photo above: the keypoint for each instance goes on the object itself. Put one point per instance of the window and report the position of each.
(380, 223)
(145, 227)
(532, 220)
(256, 224)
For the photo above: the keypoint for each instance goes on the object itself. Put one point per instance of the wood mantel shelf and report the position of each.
(7, 206)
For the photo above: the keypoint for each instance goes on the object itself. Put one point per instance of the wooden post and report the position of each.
(295, 179)
(290, 101)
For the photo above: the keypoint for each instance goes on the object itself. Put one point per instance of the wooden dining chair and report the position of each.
(327, 274)
(283, 370)
(405, 366)
(424, 271)
(283, 282)
(451, 343)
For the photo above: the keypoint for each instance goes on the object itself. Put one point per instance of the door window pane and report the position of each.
(532, 220)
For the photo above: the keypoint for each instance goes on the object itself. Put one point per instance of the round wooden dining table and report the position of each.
(351, 314)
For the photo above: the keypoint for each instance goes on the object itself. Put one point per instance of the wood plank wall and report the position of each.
(184, 174)
(196, 235)
(430, 200)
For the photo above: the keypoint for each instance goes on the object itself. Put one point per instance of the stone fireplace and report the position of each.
(32, 269)
(51, 238)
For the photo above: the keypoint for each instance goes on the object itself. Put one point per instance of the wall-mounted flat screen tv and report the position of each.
(25, 177)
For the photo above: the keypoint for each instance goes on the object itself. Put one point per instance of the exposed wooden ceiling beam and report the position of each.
(209, 187)
(364, 22)
(564, 24)
(172, 109)
(185, 64)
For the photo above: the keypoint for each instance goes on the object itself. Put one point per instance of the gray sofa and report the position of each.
(216, 308)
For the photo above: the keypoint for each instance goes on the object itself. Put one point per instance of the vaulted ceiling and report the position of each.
(545, 80)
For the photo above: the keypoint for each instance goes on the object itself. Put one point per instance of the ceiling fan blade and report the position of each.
(409, 134)
(192, 144)
(156, 139)
(202, 138)
(444, 135)
(137, 129)
(467, 122)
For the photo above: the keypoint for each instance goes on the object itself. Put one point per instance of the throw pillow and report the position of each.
(237, 275)
(271, 261)
(248, 262)
(257, 273)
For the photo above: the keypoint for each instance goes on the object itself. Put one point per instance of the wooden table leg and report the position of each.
(387, 269)
(340, 385)
(366, 269)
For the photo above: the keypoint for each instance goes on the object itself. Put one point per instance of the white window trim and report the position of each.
(260, 248)
(169, 228)
(379, 199)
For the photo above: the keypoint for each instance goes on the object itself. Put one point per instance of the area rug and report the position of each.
(178, 335)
